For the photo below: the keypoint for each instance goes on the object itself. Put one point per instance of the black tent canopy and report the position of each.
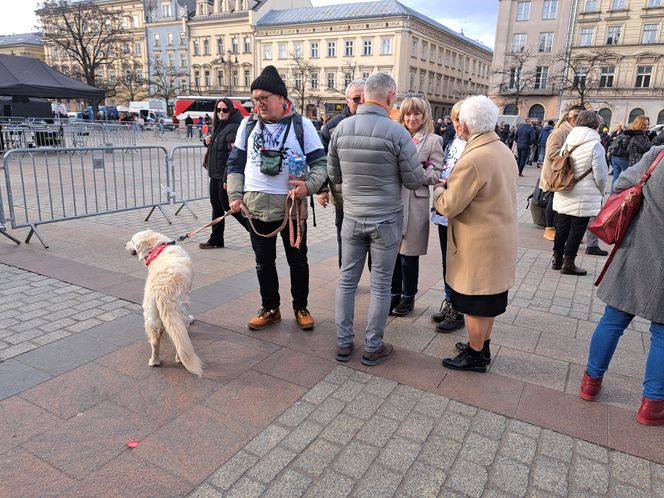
(30, 77)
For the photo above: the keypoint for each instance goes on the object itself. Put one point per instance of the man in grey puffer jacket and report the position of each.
(371, 156)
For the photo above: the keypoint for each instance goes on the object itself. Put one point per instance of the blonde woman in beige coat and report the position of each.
(415, 115)
(479, 200)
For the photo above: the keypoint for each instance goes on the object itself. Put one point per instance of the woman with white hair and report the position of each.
(479, 200)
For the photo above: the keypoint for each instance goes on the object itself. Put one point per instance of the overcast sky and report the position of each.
(477, 18)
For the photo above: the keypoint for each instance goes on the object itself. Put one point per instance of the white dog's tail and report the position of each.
(177, 331)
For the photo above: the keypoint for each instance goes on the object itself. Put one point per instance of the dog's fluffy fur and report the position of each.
(166, 297)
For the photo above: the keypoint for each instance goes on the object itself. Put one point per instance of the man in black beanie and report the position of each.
(258, 178)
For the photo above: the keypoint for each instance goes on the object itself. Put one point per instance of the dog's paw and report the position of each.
(153, 363)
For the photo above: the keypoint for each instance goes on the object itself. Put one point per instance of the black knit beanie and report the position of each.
(270, 81)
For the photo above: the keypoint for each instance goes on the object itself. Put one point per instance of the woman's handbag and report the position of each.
(612, 222)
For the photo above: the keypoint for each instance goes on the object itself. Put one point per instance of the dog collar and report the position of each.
(156, 251)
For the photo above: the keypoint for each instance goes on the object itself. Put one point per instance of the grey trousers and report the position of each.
(381, 241)
(591, 238)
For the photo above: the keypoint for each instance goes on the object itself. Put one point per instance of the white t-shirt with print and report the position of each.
(272, 138)
(454, 152)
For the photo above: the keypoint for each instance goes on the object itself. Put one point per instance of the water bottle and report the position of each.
(297, 167)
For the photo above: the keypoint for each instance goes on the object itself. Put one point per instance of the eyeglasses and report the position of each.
(222, 109)
(261, 100)
(357, 100)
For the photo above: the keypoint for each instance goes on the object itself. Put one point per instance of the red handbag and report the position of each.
(612, 222)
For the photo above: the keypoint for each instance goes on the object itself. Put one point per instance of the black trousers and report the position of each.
(265, 250)
(549, 213)
(220, 204)
(523, 153)
(569, 234)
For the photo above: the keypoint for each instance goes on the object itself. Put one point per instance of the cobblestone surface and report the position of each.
(37, 310)
(406, 442)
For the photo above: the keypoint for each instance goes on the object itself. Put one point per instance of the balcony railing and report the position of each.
(547, 90)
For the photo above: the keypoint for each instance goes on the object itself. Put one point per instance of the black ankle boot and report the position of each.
(557, 261)
(405, 306)
(468, 360)
(486, 350)
(394, 301)
(453, 321)
(570, 268)
(445, 308)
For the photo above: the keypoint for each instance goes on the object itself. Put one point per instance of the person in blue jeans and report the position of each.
(633, 287)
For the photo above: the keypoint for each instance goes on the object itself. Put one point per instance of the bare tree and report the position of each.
(301, 78)
(90, 35)
(131, 80)
(516, 76)
(581, 74)
(163, 82)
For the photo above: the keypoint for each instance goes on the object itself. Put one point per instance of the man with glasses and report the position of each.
(258, 179)
(354, 97)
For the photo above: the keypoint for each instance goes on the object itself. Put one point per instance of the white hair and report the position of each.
(355, 84)
(378, 86)
(479, 114)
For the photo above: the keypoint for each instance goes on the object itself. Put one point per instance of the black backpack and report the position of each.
(297, 124)
(619, 146)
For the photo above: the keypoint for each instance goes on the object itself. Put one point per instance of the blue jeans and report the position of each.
(381, 240)
(605, 340)
(442, 236)
(619, 165)
(406, 274)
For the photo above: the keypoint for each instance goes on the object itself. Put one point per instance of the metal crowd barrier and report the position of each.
(33, 135)
(47, 185)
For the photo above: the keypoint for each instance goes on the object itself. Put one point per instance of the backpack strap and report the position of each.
(250, 127)
(297, 124)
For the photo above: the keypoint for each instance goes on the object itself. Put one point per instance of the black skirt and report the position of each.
(486, 306)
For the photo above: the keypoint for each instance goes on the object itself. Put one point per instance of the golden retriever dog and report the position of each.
(166, 295)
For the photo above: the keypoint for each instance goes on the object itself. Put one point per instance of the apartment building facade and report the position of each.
(24, 44)
(343, 42)
(531, 38)
(627, 37)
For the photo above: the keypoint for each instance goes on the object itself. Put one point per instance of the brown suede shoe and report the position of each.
(264, 318)
(344, 354)
(304, 319)
(383, 353)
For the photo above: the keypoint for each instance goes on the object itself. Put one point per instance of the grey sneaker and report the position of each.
(344, 353)
(383, 353)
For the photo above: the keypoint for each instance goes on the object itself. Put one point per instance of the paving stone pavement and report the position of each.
(356, 434)
(36, 310)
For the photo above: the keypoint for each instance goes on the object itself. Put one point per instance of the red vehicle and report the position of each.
(196, 106)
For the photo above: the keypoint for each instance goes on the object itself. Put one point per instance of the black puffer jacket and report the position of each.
(639, 144)
(223, 137)
(328, 128)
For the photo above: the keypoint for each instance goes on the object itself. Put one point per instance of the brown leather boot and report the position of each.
(557, 261)
(569, 268)
(549, 233)
(590, 386)
(651, 412)
(264, 318)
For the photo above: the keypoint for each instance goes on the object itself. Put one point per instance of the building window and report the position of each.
(617, 4)
(580, 74)
(111, 75)
(220, 78)
(432, 54)
(183, 39)
(247, 45)
(515, 77)
(183, 60)
(541, 77)
(235, 78)
(139, 76)
(135, 21)
(125, 49)
(169, 37)
(606, 75)
(166, 10)
(331, 49)
(545, 42)
(297, 49)
(313, 81)
(207, 78)
(247, 78)
(643, 74)
(591, 6)
(267, 51)
(518, 44)
(171, 60)
(586, 37)
(197, 78)
(348, 51)
(298, 81)
(550, 9)
(522, 11)
(411, 84)
(314, 50)
(613, 35)
(425, 50)
(420, 88)
(413, 48)
(365, 75)
(234, 45)
(348, 77)
(196, 48)
(282, 50)
(440, 55)
(386, 46)
(206, 47)
(654, 3)
(220, 46)
(649, 33)
(156, 39)
(331, 81)
(138, 48)
(366, 47)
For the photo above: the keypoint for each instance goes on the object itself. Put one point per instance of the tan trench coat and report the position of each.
(416, 203)
(480, 202)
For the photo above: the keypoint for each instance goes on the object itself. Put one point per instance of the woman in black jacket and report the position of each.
(639, 143)
(225, 125)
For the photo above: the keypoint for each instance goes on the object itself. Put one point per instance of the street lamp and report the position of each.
(229, 62)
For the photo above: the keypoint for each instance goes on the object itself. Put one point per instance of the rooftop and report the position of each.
(22, 38)
(382, 8)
